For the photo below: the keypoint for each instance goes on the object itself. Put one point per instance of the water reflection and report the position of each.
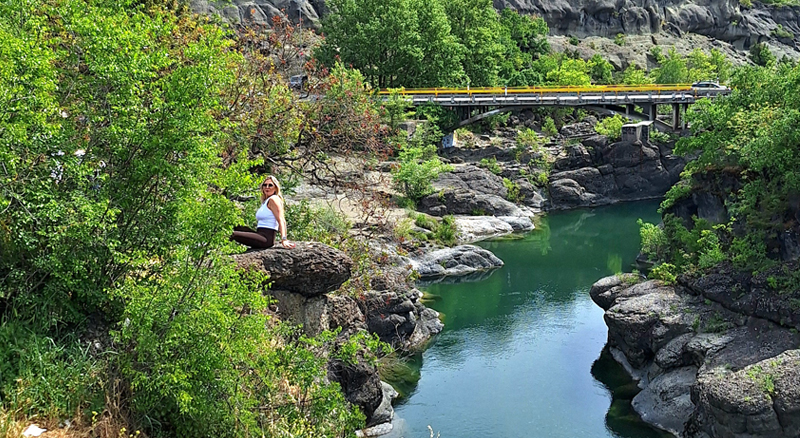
(519, 352)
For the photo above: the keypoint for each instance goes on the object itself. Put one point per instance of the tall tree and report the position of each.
(476, 25)
(392, 42)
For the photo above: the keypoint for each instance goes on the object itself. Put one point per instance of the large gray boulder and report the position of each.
(309, 269)
(455, 262)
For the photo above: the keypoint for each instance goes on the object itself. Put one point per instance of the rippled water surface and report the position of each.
(520, 355)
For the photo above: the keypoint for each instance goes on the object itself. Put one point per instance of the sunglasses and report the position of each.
(268, 186)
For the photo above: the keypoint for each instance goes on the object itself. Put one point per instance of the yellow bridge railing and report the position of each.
(540, 90)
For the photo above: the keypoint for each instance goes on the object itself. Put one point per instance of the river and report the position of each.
(522, 351)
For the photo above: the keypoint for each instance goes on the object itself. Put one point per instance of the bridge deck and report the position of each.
(559, 96)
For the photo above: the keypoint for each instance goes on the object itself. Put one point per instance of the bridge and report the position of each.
(604, 99)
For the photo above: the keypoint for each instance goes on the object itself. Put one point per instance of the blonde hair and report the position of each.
(277, 189)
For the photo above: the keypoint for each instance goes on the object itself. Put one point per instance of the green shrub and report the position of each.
(611, 127)
(654, 241)
(574, 40)
(664, 272)
(447, 231)
(491, 165)
(619, 39)
(417, 168)
(512, 189)
(549, 127)
(660, 137)
(780, 32)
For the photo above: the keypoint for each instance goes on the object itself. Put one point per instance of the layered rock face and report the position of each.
(708, 368)
(260, 12)
(725, 20)
(596, 172)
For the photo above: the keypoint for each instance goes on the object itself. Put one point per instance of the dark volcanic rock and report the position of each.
(707, 371)
(360, 384)
(597, 173)
(310, 269)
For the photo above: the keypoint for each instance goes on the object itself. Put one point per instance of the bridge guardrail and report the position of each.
(595, 89)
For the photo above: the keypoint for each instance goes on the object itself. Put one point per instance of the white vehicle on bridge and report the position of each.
(708, 85)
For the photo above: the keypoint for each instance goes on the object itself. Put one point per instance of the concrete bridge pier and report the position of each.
(684, 124)
(651, 110)
(676, 116)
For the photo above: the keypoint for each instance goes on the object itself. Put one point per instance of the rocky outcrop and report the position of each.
(300, 280)
(726, 20)
(458, 261)
(260, 12)
(707, 368)
(596, 172)
(309, 269)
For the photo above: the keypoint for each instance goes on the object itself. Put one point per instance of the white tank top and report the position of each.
(265, 217)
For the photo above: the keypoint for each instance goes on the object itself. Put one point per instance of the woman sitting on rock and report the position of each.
(270, 219)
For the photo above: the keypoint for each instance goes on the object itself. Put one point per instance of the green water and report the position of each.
(522, 354)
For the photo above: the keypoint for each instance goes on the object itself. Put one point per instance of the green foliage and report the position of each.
(447, 231)
(363, 346)
(574, 40)
(476, 26)
(42, 376)
(755, 132)
(122, 137)
(619, 39)
(600, 70)
(417, 168)
(549, 127)
(444, 231)
(654, 241)
(527, 140)
(571, 72)
(396, 108)
(761, 55)
(660, 137)
(438, 115)
(611, 127)
(780, 32)
(512, 188)
(321, 224)
(634, 75)
(491, 165)
(422, 51)
(680, 190)
(664, 272)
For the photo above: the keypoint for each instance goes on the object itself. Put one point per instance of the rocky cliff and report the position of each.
(301, 281)
(716, 356)
(726, 20)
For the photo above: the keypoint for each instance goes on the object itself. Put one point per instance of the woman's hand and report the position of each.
(286, 244)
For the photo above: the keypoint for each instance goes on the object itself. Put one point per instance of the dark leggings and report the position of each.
(260, 238)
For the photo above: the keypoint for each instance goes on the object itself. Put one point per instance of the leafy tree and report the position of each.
(672, 69)
(476, 25)
(752, 133)
(611, 127)
(634, 75)
(761, 55)
(571, 72)
(417, 167)
(420, 52)
(600, 70)
(529, 33)
(122, 142)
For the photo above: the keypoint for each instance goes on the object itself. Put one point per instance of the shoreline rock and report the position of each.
(705, 371)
